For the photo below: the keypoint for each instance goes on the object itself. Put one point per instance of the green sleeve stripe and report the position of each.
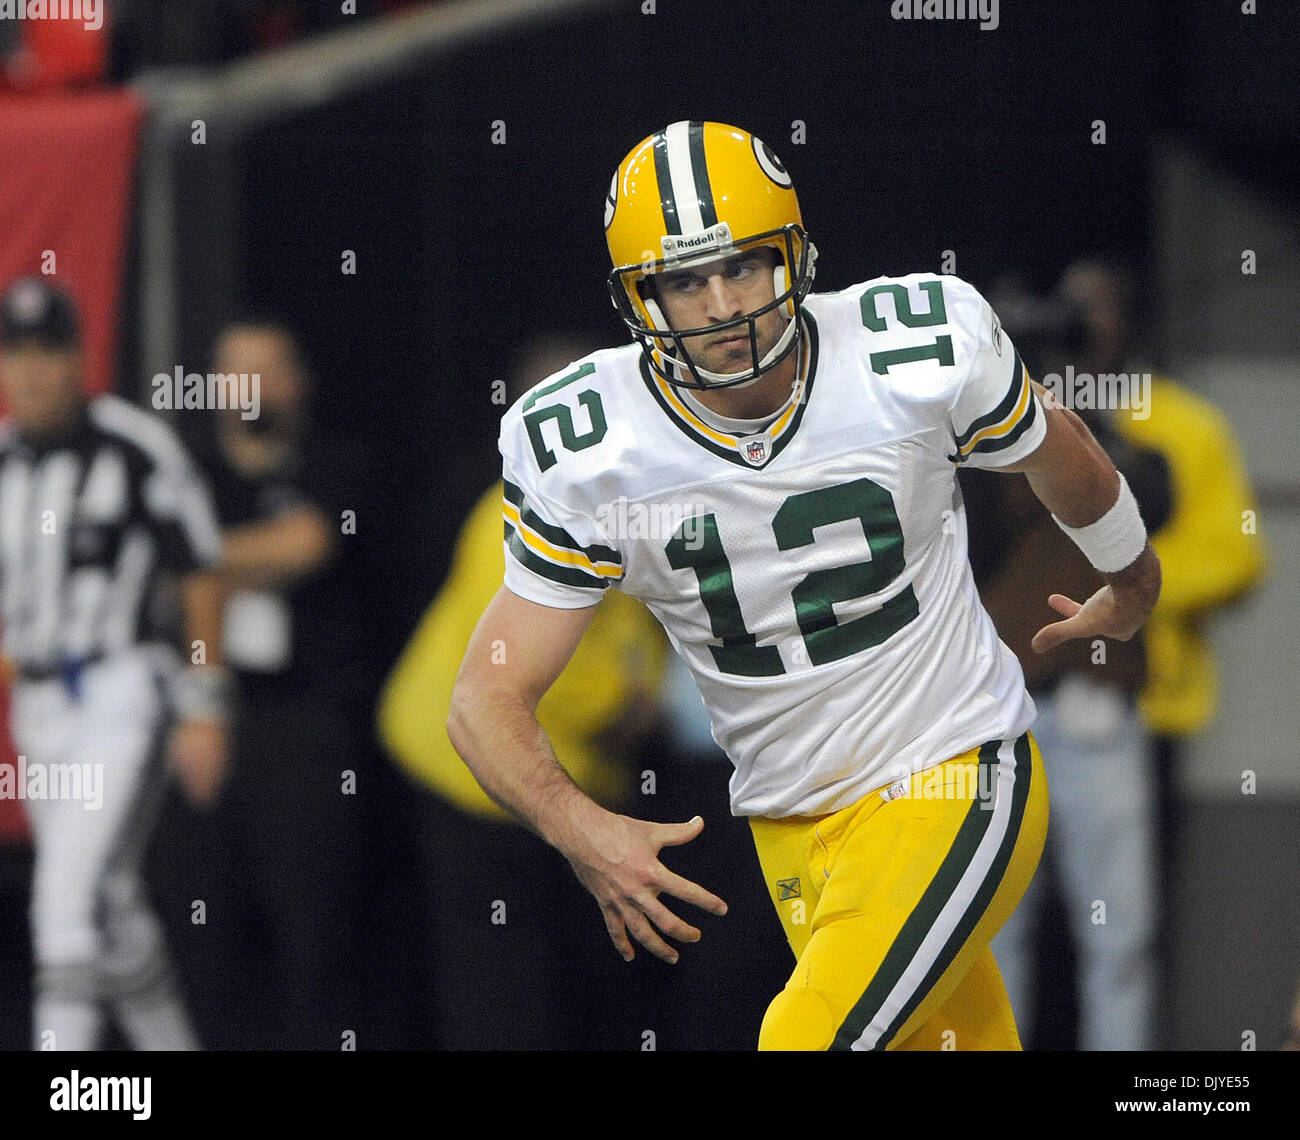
(555, 535)
(1001, 442)
(563, 575)
(1000, 413)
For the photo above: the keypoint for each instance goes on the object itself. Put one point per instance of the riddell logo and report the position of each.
(674, 247)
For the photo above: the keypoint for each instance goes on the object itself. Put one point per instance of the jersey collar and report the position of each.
(754, 450)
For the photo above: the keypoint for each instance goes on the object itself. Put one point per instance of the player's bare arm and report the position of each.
(518, 650)
(198, 748)
(1074, 478)
(276, 553)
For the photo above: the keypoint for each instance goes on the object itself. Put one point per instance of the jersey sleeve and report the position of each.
(556, 554)
(996, 417)
(181, 513)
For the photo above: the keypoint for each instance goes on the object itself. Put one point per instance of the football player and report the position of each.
(773, 473)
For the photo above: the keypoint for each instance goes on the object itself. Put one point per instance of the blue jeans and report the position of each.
(1101, 852)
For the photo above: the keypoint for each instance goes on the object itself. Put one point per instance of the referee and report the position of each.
(109, 553)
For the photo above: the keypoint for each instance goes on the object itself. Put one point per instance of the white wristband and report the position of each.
(1117, 538)
(203, 692)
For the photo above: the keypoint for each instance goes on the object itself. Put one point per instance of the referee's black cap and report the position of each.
(33, 307)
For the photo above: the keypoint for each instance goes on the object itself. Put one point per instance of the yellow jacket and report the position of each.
(620, 658)
(1208, 552)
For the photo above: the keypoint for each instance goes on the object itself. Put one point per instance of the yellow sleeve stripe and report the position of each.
(553, 553)
(1000, 429)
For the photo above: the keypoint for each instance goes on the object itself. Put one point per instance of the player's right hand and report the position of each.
(620, 866)
(198, 753)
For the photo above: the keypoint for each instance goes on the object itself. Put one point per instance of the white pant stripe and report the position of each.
(955, 908)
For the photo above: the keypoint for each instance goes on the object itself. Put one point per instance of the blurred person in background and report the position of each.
(286, 870)
(514, 962)
(1211, 557)
(1100, 708)
(1095, 747)
(106, 527)
(721, 992)
(1291, 1043)
(15, 899)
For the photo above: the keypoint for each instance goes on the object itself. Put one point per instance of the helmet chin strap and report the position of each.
(783, 343)
(727, 379)
(730, 387)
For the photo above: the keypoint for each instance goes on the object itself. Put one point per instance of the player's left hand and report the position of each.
(197, 753)
(1119, 609)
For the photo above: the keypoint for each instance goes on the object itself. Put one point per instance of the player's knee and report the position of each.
(72, 981)
(1122, 955)
(134, 968)
(73, 941)
(799, 1018)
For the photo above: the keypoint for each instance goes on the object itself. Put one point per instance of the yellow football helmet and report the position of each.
(691, 193)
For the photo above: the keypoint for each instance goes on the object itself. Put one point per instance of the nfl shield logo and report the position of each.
(756, 450)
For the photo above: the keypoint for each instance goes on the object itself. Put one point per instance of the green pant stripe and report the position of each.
(979, 904)
(926, 913)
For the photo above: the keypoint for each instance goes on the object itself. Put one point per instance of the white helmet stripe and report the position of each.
(682, 177)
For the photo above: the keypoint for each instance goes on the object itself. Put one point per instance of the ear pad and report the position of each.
(778, 285)
(656, 315)
(666, 346)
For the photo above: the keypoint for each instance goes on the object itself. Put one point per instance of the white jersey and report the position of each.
(813, 576)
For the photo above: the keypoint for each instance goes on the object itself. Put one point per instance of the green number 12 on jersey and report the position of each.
(825, 637)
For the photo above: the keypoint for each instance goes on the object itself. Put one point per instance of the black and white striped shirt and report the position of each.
(90, 525)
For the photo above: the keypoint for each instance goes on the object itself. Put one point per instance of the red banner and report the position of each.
(66, 169)
(13, 822)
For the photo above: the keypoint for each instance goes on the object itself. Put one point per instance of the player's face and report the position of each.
(720, 291)
(42, 385)
(270, 356)
(1098, 297)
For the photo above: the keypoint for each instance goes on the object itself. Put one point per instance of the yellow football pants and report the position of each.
(890, 905)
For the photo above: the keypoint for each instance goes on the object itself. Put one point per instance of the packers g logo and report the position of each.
(771, 165)
(611, 199)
